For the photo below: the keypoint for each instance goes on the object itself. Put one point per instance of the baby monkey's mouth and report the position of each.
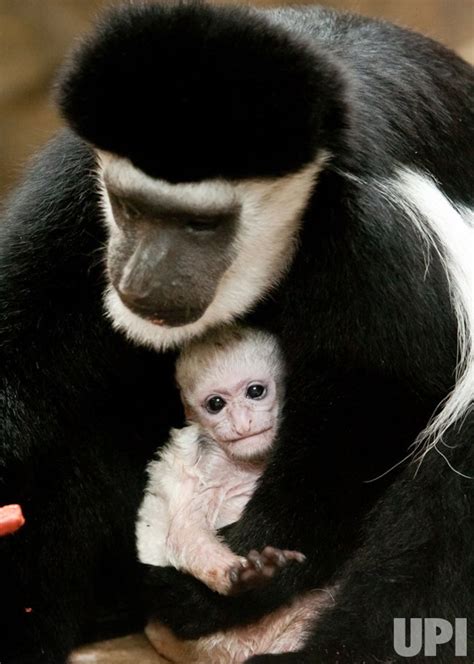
(250, 435)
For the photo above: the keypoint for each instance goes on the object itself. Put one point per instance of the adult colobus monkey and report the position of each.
(308, 172)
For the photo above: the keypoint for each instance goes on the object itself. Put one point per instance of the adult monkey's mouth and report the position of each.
(174, 318)
(162, 317)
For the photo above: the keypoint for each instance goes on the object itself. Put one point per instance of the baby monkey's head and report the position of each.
(231, 383)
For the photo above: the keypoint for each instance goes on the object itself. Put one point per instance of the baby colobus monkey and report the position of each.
(232, 388)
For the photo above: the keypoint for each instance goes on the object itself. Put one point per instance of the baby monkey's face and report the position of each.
(239, 411)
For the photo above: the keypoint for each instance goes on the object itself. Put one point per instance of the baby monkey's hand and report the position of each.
(259, 568)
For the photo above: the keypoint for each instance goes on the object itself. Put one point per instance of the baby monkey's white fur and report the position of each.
(207, 472)
(202, 481)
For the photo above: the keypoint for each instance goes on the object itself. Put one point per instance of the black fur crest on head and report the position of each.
(189, 91)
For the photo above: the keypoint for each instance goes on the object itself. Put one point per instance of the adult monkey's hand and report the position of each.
(11, 519)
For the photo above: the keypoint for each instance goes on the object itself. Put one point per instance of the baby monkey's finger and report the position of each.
(280, 557)
(295, 555)
(256, 560)
(273, 556)
(244, 578)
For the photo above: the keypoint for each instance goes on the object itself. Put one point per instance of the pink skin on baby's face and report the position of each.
(238, 410)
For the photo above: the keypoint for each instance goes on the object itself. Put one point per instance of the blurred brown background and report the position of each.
(35, 34)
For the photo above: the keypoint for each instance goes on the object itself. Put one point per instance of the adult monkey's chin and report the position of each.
(154, 334)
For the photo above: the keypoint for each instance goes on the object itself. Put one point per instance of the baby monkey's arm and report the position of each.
(175, 525)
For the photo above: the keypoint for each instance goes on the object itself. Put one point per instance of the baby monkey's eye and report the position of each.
(256, 391)
(215, 404)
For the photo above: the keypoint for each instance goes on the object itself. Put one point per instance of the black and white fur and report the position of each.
(371, 129)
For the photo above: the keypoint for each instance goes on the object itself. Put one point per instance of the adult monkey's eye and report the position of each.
(215, 404)
(129, 210)
(124, 206)
(202, 225)
(256, 391)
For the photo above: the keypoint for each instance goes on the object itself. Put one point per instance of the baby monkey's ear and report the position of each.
(188, 411)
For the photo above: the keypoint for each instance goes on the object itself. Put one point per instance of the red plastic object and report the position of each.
(11, 519)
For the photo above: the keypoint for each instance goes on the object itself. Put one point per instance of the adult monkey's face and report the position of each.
(182, 257)
(168, 248)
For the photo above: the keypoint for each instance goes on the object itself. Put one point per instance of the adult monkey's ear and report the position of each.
(191, 91)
